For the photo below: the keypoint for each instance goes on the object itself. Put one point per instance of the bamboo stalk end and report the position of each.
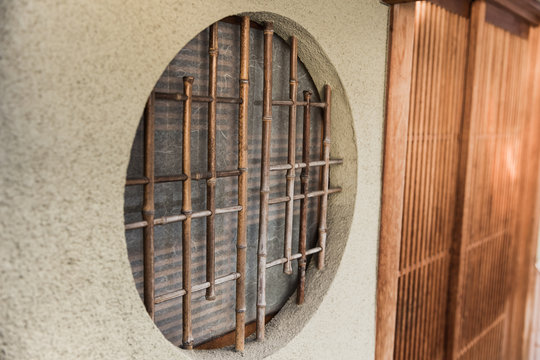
(287, 268)
(269, 26)
(320, 262)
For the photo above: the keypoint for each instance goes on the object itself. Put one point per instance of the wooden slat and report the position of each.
(462, 215)
(527, 225)
(399, 87)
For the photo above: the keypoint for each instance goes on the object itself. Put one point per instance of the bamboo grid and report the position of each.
(291, 166)
(210, 177)
(212, 174)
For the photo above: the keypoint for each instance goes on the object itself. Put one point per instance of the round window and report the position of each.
(227, 185)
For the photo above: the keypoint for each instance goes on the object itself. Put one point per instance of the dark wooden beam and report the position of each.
(460, 7)
(527, 11)
(500, 17)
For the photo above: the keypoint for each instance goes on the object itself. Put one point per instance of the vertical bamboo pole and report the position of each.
(304, 202)
(265, 174)
(291, 173)
(148, 206)
(187, 337)
(211, 181)
(241, 246)
(325, 177)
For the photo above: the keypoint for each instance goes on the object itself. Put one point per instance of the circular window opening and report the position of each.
(226, 197)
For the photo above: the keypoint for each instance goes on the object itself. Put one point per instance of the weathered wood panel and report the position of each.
(460, 186)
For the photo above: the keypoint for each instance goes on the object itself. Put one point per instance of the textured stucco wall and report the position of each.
(75, 76)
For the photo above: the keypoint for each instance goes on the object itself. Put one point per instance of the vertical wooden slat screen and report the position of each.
(430, 179)
(438, 52)
(490, 174)
(460, 184)
(523, 301)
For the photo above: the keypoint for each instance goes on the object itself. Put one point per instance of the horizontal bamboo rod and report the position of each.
(293, 257)
(140, 181)
(298, 103)
(136, 225)
(229, 209)
(181, 217)
(179, 293)
(302, 165)
(283, 199)
(183, 177)
(195, 98)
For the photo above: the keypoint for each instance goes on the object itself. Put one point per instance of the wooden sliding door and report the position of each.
(493, 131)
(458, 156)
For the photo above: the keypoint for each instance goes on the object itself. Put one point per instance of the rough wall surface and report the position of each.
(75, 77)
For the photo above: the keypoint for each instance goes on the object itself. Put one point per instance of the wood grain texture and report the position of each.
(522, 298)
(430, 180)
(491, 199)
(397, 115)
(459, 7)
(460, 187)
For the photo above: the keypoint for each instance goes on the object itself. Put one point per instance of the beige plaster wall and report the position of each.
(74, 78)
